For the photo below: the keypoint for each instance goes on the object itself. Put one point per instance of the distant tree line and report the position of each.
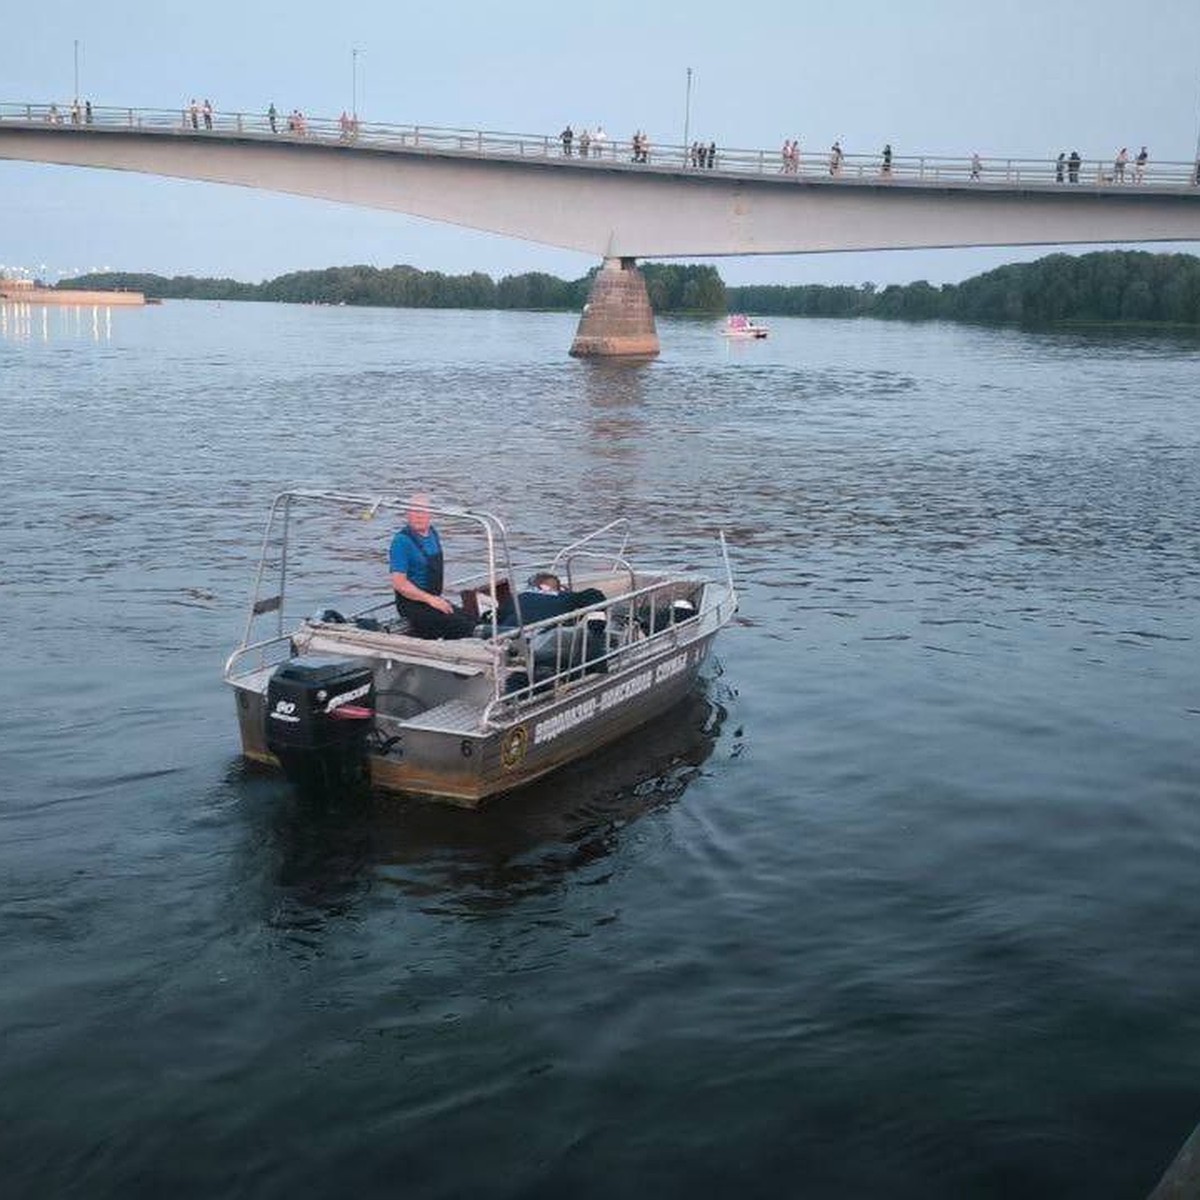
(1105, 287)
(673, 289)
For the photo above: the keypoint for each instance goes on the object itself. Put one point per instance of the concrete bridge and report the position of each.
(620, 202)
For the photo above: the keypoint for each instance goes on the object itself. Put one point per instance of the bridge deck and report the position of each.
(933, 171)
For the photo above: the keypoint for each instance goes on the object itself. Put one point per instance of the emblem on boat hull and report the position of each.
(512, 750)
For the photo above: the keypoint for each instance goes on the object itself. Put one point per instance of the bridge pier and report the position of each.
(617, 320)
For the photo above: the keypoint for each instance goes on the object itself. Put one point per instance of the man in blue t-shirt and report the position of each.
(417, 565)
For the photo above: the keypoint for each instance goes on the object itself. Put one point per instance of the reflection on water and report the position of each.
(452, 861)
(52, 322)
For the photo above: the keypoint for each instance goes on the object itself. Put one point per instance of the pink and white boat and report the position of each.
(738, 325)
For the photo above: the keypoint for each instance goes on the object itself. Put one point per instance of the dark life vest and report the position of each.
(434, 564)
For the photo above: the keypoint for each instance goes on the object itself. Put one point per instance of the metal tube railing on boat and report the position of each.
(575, 621)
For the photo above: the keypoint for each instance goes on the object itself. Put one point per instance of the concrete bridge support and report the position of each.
(617, 320)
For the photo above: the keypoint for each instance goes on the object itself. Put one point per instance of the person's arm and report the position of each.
(410, 591)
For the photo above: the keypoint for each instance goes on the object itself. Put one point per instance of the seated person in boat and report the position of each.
(544, 598)
(417, 567)
(577, 646)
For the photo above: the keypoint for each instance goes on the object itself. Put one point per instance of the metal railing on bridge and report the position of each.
(603, 152)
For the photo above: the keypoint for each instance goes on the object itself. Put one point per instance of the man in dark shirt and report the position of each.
(544, 598)
(569, 645)
(417, 567)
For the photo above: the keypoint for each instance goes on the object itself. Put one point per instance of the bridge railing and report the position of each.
(607, 153)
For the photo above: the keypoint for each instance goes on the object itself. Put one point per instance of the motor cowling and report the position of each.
(320, 712)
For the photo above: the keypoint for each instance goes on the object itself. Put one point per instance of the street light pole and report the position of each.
(1196, 160)
(687, 115)
(354, 83)
(76, 72)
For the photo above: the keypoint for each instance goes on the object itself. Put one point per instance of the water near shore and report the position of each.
(901, 904)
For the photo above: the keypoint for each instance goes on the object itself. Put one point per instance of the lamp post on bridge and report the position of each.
(1196, 158)
(687, 115)
(76, 73)
(354, 82)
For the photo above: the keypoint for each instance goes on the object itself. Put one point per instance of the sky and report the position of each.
(1023, 78)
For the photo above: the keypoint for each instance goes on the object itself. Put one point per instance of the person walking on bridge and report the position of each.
(567, 137)
(1073, 164)
(272, 116)
(1139, 169)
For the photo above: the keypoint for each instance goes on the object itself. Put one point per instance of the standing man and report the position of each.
(417, 566)
(271, 117)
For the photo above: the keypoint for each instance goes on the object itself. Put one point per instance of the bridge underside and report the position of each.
(622, 211)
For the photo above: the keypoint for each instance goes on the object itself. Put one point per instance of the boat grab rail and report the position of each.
(621, 523)
(259, 647)
(575, 621)
(615, 562)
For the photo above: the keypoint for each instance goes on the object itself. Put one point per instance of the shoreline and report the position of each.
(68, 298)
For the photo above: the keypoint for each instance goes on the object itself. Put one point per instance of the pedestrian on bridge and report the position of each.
(835, 158)
(1060, 165)
(272, 116)
(567, 136)
(1139, 170)
(886, 168)
(1073, 164)
(208, 111)
(1119, 164)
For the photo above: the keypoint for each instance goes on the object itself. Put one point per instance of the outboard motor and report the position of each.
(319, 713)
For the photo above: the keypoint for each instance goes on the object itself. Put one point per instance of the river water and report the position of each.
(901, 903)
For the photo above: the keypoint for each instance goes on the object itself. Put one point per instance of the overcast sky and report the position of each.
(1022, 78)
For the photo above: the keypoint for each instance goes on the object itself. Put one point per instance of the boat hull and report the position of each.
(466, 767)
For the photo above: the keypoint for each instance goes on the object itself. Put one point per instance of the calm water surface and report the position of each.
(902, 903)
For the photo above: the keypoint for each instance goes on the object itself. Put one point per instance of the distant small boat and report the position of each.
(738, 325)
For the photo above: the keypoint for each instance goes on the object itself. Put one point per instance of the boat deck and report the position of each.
(455, 716)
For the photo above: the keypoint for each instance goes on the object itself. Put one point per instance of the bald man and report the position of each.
(417, 568)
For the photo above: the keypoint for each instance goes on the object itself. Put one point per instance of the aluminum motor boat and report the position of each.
(348, 695)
